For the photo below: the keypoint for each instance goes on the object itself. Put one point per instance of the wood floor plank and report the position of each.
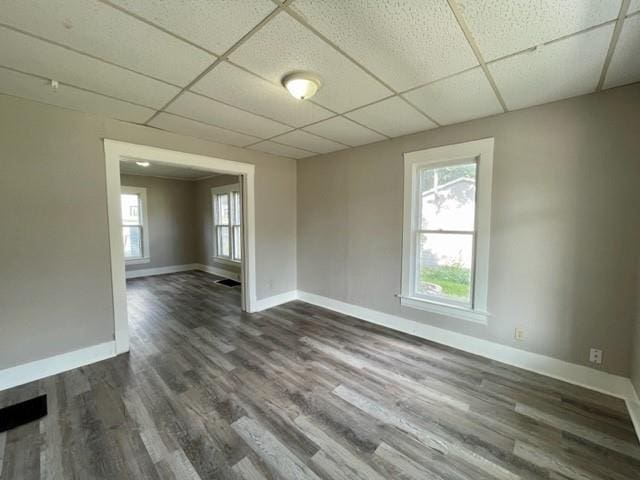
(299, 392)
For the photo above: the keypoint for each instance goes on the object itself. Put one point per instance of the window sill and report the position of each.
(137, 261)
(475, 316)
(228, 261)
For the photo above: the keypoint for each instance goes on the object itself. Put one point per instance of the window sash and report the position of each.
(231, 222)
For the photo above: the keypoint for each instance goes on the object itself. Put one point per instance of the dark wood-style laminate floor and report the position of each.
(299, 392)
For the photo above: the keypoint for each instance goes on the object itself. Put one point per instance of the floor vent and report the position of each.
(227, 282)
(21, 413)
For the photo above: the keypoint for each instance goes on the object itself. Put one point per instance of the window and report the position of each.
(446, 229)
(227, 221)
(135, 234)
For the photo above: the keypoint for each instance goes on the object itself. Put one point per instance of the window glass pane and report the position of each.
(237, 238)
(444, 266)
(132, 238)
(222, 201)
(448, 197)
(222, 239)
(237, 211)
(130, 203)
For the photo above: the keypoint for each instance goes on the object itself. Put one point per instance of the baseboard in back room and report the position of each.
(580, 375)
(32, 371)
(148, 272)
(218, 271)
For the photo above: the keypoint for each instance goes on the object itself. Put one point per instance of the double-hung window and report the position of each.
(227, 221)
(446, 229)
(135, 231)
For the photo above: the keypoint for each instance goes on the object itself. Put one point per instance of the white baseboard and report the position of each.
(29, 372)
(597, 380)
(275, 300)
(218, 271)
(147, 272)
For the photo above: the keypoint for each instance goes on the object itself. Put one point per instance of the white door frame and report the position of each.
(114, 152)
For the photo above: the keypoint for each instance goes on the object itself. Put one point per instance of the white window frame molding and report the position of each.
(144, 221)
(482, 152)
(116, 151)
(235, 187)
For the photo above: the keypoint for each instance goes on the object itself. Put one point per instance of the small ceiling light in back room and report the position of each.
(143, 164)
(302, 85)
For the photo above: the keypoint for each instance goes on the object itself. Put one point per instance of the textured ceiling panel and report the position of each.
(103, 31)
(33, 88)
(393, 117)
(30, 55)
(559, 70)
(233, 85)
(345, 131)
(281, 150)
(184, 126)
(503, 27)
(284, 45)
(308, 141)
(634, 6)
(218, 114)
(625, 63)
(404, 43)
(213, 24)
(459, 98)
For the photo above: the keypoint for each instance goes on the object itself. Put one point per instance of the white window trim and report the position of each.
(482, 150)
(146, 255)
(214, 191)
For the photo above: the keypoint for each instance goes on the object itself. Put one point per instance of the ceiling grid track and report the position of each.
(624, 7)
(455, 8)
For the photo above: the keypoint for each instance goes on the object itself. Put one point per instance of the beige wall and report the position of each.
(635, 344)
(565, 226)
(205, 221)
(172, 211)
(55, 288)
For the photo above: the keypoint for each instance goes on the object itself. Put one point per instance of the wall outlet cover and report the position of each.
(595, 356)
(519, 334)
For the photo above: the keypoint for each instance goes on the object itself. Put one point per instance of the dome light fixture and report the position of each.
(301, 85)
(143, 164)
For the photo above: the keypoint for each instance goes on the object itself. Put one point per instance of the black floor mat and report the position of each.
(24, 412)
(227, 282)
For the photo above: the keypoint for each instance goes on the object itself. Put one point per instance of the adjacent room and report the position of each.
(320, 239)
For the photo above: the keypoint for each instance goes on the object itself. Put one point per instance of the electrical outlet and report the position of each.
(595, 356)
(519, 334)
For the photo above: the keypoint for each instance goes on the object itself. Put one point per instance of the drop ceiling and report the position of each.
(212, 68)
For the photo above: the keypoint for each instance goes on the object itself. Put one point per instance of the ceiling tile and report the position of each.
(558, 70)
(185, 126)
(504, 27)
(404, 43)
(30, 55)
(456, 99)
(34, 88)
(393, 117)
(105, 32)
(235, 86)
(634, 6)
(281, 150)
(218, 114)
(308, 141)
(283, 45)
(213, 24)
(625, 63)
(344, 131)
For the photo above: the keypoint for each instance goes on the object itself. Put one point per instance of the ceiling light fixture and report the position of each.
(302, 85)
(143, 164)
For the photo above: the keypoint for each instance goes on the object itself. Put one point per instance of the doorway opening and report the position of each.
(156, 226)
